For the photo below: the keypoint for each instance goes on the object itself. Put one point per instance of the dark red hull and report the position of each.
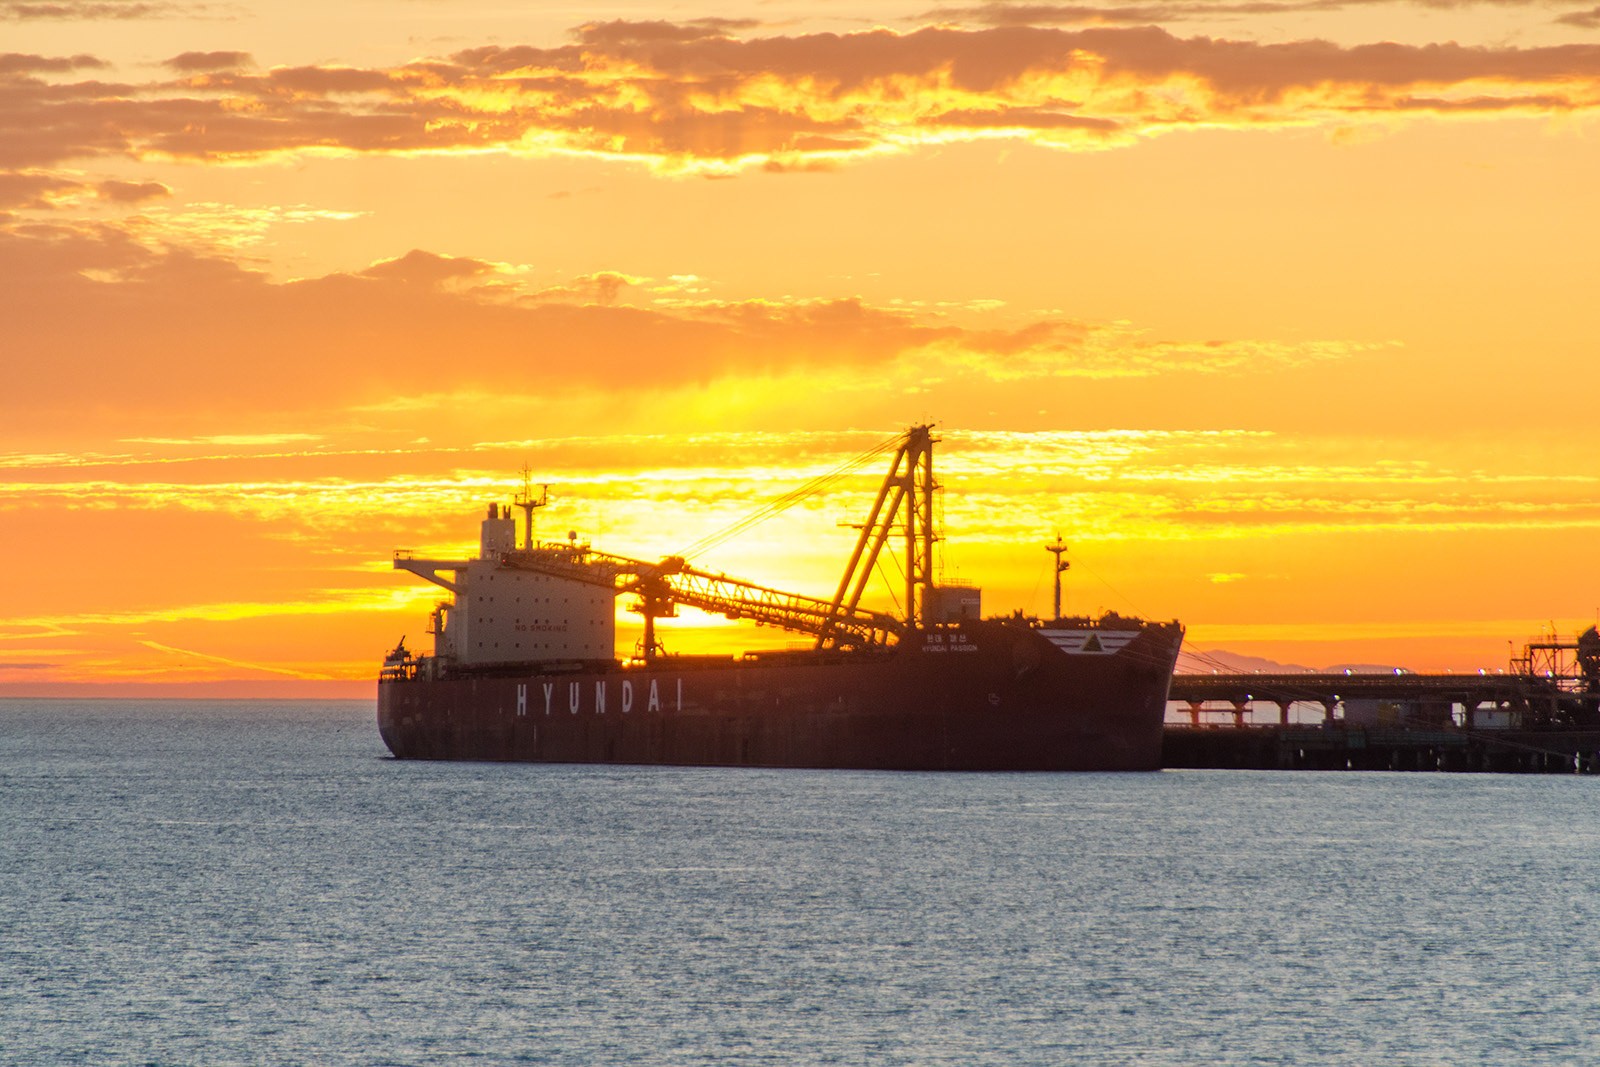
(986, 696)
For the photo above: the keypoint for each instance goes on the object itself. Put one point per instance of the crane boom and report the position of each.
(910, 484)
(802, 614)
(662, 586)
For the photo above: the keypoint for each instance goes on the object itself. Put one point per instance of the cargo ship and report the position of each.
(524, 664)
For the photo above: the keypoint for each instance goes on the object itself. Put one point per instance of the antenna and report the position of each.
(526, 502)
(1058, 550)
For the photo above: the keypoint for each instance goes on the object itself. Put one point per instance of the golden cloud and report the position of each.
(92, 10)
(1069, 349)
(333, 602)
(195, 329)
(693, 99)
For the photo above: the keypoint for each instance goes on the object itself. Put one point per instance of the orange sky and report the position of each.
(1281, 313)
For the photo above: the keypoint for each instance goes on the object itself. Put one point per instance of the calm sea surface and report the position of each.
(249, 882)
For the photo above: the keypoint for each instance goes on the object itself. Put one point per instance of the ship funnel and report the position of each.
(499, 534)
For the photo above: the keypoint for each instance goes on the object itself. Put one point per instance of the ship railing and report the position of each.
(399, 670)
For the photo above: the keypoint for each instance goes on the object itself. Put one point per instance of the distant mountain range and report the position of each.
(1235, 663)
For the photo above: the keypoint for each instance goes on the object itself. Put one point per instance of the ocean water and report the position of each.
(219, 883)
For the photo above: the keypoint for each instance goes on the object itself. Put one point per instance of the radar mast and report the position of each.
(527, 503)
(1058, 550)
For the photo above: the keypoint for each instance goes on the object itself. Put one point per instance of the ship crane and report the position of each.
(837, 623)
(662, 587)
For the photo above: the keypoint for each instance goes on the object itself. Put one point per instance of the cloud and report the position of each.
(15, 63)
(602, 287)
(1587, 20)
(690, 98)
(623, 32)
(1002, 14)
(222, 228)
(232, 439)
(426, 268)
(44, 191)
(91, 10)
(34, 191)
(189, 62)
(1060, 348)
(197, 332)
(227, 661)
(1145, 14)
(120, 192)
(1102, 485)
(329, 602)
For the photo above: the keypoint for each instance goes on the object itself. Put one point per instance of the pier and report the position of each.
(1524, 721)
(1337, 747)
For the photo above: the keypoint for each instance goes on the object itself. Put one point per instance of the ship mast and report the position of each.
(526, 502)
(1062, 566)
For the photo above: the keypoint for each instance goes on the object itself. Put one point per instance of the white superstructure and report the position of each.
(503, 615)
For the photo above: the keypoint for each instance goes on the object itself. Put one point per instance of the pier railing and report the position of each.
(1517, 699)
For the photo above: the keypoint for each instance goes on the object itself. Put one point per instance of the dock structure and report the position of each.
(1516, 722)
(1337, 746)
(1416, 697)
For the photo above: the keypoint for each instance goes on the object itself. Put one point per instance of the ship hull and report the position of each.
(984, 696)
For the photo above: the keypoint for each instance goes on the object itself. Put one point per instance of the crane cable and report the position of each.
(788, 500)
